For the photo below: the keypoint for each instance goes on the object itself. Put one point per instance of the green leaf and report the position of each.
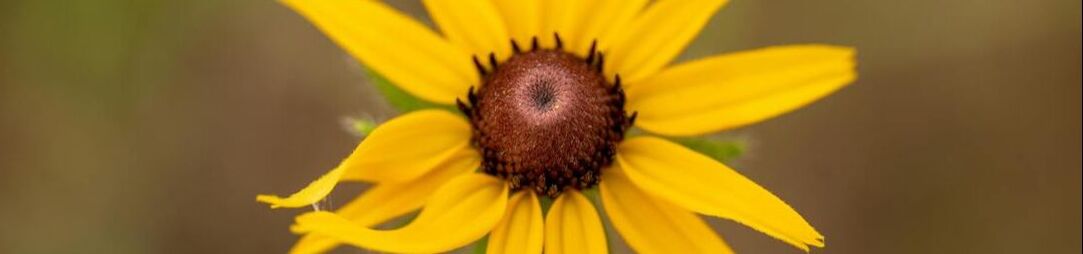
(722, 149)
(398, 98)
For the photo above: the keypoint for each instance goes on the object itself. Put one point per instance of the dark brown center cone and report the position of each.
(547, 120)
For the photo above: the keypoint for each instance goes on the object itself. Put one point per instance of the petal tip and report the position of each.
(819, 241)
(298, 229)
(272, 200)
(302, 223)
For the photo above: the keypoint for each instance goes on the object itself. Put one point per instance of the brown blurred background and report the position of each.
(149, 126)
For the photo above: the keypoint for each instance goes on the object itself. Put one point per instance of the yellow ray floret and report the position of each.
(522, 229)
(573, 226)
(657, 36)
(733, 90)
(461, 211)
(406, 52)
(652, 225)
(386, 201)
(700, 184)
(400, 150)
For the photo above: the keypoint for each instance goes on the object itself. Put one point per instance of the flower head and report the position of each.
(546, 92)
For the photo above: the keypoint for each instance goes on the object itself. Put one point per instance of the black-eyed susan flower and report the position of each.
(547, 91)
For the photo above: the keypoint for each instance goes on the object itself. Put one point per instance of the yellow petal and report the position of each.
(408, 146)
(476, 25)
(386, 201)
(522, 18)
(657, 36)
(397, 151)
(557, 16)
(393, 44)
(601, 21)
(521, 229)
(697, 183)
(575, 15)
(733, 90)
(308, 195)
(573, 226)
(652, 225)
(461, 211)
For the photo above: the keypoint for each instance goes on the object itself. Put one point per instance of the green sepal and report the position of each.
(481, 246)
(359, 127)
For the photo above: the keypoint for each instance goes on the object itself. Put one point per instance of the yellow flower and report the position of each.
(558, 84)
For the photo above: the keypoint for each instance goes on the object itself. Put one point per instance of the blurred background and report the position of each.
(150, 126)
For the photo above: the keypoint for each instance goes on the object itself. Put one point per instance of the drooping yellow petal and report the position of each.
(733, 90)
(521, 229)
(400, 150)
(461, 211)
(652, 225)
(697, 183)
(657, 36)
(573, 226)
(522, 18)
(393, 44)
(476, 25)
(385, 201)
(308, 195)
(601, 21)
(408, 146)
